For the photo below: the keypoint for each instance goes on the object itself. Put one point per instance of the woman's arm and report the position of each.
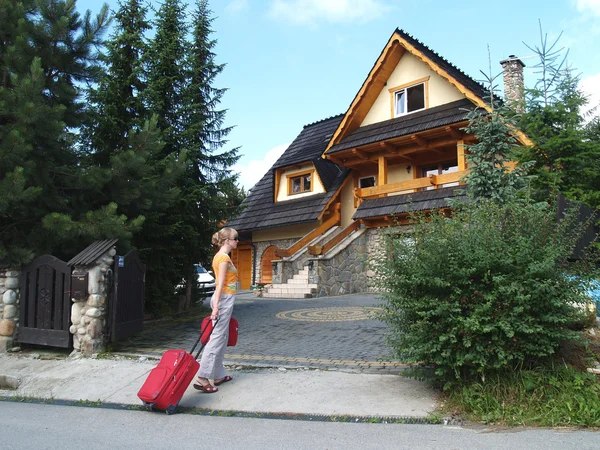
(223, 266)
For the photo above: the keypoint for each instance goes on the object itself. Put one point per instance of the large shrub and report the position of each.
(483, 291)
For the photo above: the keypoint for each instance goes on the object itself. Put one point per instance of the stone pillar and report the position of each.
(514, 84)
(88, 315)
(9, 308)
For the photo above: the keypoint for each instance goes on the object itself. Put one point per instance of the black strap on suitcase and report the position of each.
(200, 337)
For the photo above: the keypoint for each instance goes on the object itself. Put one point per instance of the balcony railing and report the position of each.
(411, 185)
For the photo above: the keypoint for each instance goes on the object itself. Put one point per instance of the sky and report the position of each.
(290, 63)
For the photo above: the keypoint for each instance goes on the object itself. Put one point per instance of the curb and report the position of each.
(405, 420)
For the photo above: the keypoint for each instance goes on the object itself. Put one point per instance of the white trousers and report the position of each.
(211, 363)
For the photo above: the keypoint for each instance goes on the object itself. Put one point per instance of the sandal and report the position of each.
(225, 379)
(208, 388)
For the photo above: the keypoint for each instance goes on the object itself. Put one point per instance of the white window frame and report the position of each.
(397, 91)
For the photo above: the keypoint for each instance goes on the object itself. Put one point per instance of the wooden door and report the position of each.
(242, 259)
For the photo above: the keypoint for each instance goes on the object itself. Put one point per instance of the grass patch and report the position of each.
(548, 397)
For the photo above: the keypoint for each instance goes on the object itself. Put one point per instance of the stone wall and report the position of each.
(344, 272)
(9, 308)
(89, 315)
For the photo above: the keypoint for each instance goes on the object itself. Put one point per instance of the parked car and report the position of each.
(206, 281)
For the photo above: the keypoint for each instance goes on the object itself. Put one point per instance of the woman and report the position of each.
(211, 364)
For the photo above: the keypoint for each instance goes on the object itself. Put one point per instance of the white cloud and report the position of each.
(237, 6)
(312, 11)
(591, 87)
(251, 172)
(592, 6)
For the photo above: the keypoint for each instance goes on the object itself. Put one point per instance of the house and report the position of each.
(313, 221)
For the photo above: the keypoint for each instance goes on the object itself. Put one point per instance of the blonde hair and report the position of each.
(222, 235)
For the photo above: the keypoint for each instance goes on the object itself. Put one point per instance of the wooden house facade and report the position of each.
(317, 216)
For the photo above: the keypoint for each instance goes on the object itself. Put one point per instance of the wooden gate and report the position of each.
(127, 303)
(266, 264)
(45, 315)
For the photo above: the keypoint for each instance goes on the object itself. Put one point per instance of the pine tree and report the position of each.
(47, 51)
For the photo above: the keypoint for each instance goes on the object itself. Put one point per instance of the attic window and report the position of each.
(300, 183)
(409, 99)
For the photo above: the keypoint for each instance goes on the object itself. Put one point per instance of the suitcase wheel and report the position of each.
(171, 409)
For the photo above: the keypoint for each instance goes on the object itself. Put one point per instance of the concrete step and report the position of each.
(298, 281)
(295, 295)
(293, 286)
(290, 290)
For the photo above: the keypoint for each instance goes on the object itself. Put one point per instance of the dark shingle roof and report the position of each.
(310, 143)
(398, 204)
(261, 212)
(427, 119)
(464, 79)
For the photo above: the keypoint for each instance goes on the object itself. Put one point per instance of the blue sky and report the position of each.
(294, 62)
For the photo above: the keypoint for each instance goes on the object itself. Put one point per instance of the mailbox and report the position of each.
(79, 287)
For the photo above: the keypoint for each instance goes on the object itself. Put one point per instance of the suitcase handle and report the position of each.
(199, 337)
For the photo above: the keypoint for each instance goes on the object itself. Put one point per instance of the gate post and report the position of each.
(88, 312)
(9, 307)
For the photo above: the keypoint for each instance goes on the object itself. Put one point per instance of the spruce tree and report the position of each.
(566, 151)
(491, 175)
(117, 102)
(208, 182)
(165, 238)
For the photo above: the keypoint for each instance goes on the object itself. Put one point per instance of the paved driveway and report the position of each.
(330, 332)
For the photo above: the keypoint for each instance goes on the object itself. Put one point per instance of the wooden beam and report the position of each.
(359, 153)
(461, 155)
(420, 141)
(277, 181)
(388, 147)
(382, 174)
(454, 132)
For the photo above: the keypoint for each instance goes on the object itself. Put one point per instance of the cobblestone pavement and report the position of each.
(327, 332)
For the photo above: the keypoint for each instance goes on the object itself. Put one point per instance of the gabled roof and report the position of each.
(398, 204)
(262, 212)
(399, 43)
(310, 143)
(426, 119)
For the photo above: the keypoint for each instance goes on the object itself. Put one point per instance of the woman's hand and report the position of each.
(215, 313)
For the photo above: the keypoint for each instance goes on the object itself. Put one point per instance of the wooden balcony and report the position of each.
(434, 181)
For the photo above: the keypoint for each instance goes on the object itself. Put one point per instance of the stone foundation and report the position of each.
(88, 316)
(9, 308)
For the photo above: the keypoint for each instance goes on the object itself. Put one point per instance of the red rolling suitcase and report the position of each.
(168, 381)
(207, 327)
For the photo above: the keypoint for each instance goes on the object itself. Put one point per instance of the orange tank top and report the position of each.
(231, 277)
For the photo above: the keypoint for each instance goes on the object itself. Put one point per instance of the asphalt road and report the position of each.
(36, 426)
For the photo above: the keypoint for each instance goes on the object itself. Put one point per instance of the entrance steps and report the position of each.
(296, 287)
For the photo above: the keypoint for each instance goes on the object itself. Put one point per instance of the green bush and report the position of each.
(483, 291)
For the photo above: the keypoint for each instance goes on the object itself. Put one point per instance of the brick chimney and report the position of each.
(514, 85)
